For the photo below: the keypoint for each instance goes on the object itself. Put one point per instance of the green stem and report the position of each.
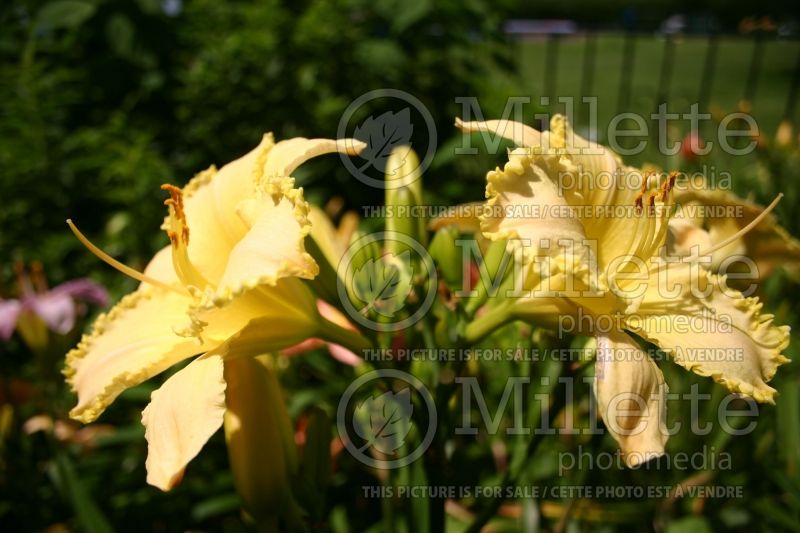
(511, 477)
(484, 325)
(352, 340)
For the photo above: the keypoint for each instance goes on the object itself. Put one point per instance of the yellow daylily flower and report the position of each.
(593, 232)
(228, 286)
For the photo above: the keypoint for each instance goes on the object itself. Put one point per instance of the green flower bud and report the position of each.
(260, 441)
(448, 256)
(404, 194)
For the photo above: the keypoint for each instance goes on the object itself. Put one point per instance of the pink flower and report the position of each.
(58, 308)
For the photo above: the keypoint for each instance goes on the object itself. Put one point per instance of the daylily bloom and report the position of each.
(228, 286)
(593, 232)
(39, 309)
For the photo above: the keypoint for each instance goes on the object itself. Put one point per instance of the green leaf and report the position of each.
(216, 506)
(89, 516)
(63, 14)
(384, 421)
(690, 524)
(316, 466)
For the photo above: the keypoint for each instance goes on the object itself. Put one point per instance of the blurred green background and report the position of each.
(101, 102)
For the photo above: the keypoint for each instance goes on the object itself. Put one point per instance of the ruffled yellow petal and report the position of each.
(182, 415)
(244, 225)
(608, 199)
(724, 336)
(130, 344)
(273, 247)
(210, 200)
(631, 397)
(525, 203)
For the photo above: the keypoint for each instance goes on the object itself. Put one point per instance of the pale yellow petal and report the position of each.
(210, 200)
(724, 336)
(631, 397)
(521, 134)
(287, 313)
(127, 346)
(617, 208)
(273, 247)
(326, 236)
(161, 267)
(290, 154)
(244, 225)
(182, 415)
(589, 178)
(525, 203)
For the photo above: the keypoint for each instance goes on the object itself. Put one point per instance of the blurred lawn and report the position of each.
(732, 66)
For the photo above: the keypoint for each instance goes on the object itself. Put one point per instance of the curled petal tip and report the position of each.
(352, 146)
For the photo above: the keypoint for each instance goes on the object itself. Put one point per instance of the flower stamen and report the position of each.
(739, 233)
(177, 229)
(125, 269)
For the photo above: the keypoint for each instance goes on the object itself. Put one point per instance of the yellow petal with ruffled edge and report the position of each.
(723, 336)
(211, 198)
(525, 203)
(607, 196)
(273, 247)
(273, 219)
(127, 346)
(210, 201)
(631, 397)
(182, 415)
